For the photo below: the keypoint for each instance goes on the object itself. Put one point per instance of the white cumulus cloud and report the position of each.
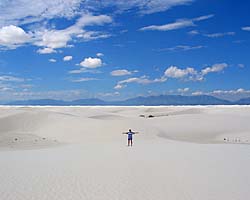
(191, 74)
(67, 58)
(91, 63)
(99, 54)
(120, 72)
(118, 86)
(12, 36)
(214, 68)
(52, 60)
(46, 50)
(60, 38)
(175, 72)
(51, 39)
(188, 74)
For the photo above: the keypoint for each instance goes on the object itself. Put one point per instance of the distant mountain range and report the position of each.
(245, 101)
(147, 101)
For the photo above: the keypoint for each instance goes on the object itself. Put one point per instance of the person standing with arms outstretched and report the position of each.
(130, 137)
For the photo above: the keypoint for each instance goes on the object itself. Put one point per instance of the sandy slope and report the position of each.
(186, 153)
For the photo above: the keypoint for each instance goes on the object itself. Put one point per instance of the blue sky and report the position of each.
(72, 49)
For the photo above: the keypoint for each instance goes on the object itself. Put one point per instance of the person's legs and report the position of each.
(131, 141)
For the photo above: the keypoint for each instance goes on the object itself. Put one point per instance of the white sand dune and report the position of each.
(181, 153)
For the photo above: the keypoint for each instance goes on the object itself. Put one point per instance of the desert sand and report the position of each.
(73, 153)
